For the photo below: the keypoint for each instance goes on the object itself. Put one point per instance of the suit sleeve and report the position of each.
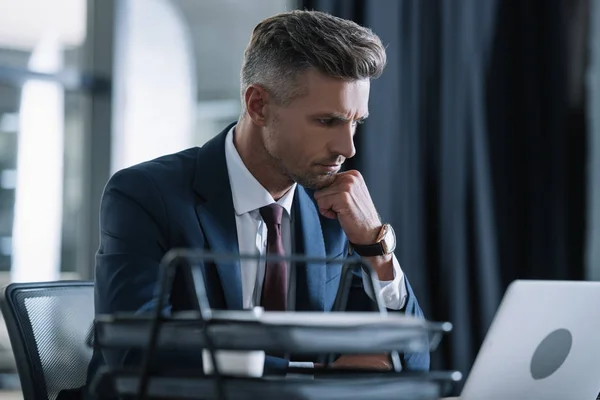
(134, 237)
(358, 300)
(414, 361)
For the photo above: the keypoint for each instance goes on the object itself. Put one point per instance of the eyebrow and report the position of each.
(340, 117)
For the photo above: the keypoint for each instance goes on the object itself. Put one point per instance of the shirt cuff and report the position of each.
(392, 292)
(300, 364)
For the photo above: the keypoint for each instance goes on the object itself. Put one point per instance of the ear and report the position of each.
(257, 99)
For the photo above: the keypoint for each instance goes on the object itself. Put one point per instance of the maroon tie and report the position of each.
(274, 291)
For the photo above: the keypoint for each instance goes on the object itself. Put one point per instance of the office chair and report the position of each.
(47, 325)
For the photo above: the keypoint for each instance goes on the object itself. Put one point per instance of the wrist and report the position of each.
(383, 266)
(369, 236)
(384, 244)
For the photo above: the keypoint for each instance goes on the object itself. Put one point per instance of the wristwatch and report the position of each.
(385, 244)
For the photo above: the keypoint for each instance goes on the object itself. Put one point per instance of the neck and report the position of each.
(266, 170)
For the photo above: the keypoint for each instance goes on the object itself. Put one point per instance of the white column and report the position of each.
(154, 83)
(39, 184)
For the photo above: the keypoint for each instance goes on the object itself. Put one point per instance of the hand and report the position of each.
(348, 200)
(368, 361)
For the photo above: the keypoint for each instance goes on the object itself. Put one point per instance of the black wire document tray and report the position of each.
(297, 332)
(342, 386)
(291, 333)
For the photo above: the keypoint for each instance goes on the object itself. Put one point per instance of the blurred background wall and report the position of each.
(483, 146)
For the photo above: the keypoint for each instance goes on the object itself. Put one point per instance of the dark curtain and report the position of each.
(466, 152)
(537, 137)
(593, 116)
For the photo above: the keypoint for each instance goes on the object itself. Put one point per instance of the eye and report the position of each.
(326, 121)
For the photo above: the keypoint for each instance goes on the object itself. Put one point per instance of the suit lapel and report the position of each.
(310, 279)
(216, 215)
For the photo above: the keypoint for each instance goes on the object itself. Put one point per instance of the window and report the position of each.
(42, 126)
(178, 74)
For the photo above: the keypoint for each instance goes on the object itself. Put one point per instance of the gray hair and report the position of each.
(285, 45)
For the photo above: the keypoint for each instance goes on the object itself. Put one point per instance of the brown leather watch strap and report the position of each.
(368, 250)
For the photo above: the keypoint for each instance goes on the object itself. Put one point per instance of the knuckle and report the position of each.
(355, 177)
(346, 197)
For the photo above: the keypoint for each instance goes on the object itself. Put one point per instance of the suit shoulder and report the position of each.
(171, 168)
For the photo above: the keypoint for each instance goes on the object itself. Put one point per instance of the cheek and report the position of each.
(293, 151)
(304, 148)
(298, 144)
(293, 142)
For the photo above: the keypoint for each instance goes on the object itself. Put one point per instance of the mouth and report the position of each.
(331, 167)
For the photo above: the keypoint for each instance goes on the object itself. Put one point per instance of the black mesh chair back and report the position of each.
(47, 325)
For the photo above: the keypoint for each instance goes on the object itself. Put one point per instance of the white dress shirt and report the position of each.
(248, 197)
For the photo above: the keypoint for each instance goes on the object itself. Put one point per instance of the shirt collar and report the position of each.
(248, 194)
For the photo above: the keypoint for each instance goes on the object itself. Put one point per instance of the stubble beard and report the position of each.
(311, 181)
(306, 180)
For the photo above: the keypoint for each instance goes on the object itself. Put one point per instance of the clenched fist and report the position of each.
(348, 200)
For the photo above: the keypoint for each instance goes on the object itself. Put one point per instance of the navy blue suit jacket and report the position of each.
(184, 200)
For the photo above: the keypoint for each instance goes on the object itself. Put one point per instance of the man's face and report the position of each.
(312, 136)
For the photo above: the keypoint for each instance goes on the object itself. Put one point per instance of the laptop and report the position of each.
(544, 343)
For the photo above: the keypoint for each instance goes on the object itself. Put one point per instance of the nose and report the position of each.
(343, 141)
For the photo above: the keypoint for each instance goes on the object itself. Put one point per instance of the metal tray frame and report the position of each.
(187, 260)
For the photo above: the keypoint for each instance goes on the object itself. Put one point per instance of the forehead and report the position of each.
(323, 93)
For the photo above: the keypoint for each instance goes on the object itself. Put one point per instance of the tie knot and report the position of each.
(272, 214)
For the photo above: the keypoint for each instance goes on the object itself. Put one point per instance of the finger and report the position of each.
(337, 202)
(328, 191)
(328, 213)
(338, 185)
(326, 207)
(328, 203)
(348, 181)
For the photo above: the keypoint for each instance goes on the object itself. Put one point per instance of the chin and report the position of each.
(315, 182)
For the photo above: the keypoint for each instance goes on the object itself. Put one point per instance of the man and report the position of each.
(270, 183)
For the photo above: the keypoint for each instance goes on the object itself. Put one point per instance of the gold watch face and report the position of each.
(389, 239)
